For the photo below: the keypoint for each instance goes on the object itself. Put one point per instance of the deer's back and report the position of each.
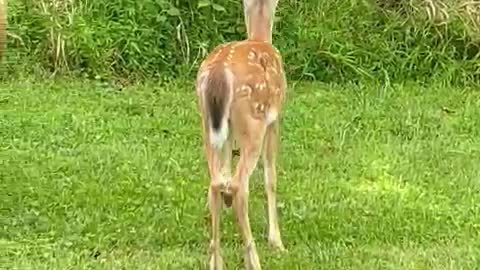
(259, 82)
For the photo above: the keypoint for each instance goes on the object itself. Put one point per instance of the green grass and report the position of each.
(370, 177)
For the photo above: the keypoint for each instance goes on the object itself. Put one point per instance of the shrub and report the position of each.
(328, 40)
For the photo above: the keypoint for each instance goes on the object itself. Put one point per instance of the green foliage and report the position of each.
(328, 40)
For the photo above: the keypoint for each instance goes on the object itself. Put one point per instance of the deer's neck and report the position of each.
(259, 25)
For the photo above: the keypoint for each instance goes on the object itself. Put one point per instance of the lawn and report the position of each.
(370, 177)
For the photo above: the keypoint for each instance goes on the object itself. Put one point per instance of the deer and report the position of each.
(241, 88)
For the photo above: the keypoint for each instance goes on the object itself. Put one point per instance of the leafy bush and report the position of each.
(328, 40)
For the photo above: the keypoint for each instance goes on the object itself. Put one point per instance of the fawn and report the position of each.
(241, 87)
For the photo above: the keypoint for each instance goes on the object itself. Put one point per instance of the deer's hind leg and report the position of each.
(226, 168)
(270, 175)
(215, 165)
(249, 133)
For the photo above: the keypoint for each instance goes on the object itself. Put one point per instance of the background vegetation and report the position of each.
(327, 40)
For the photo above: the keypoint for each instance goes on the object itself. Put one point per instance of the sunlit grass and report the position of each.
(369, 178)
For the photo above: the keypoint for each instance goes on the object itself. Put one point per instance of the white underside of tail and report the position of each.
(271, 117)
(218, 137)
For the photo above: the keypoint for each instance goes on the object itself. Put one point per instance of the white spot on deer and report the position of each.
(248, 89)
(217, 54)
(251, 55)
(271, 116)
(259, 107)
